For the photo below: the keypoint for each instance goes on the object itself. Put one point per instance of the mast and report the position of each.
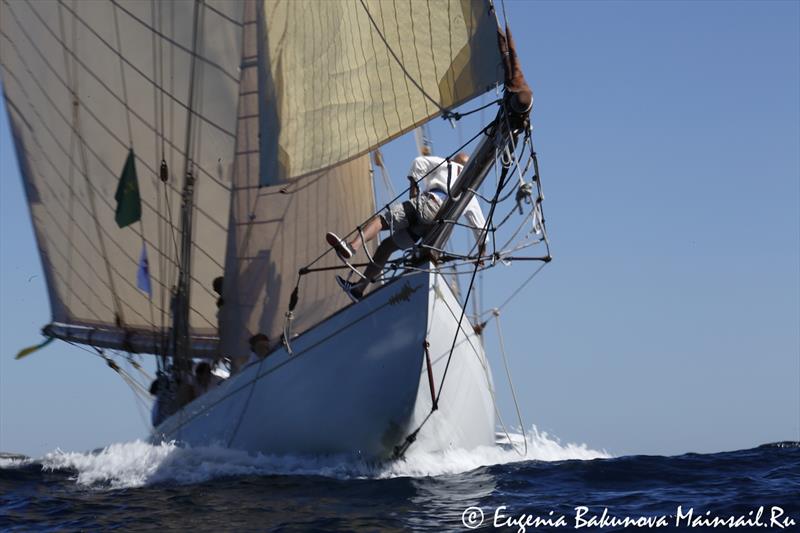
(181, 339)
(511, 120)
(182, 342)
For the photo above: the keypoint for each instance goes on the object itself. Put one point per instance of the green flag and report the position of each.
(129, 205)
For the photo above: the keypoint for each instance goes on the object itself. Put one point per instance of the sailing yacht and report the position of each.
(245, 128)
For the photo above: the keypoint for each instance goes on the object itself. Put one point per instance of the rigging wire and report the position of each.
(329, 250)
(496, 313)
(500, 186)
(140, 225)
(72, 85)
(71, 171)
(400, 63)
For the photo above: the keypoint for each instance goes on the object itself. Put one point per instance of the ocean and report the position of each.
(552, 487)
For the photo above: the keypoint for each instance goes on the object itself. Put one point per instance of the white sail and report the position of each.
(343, 77)
(84, 83)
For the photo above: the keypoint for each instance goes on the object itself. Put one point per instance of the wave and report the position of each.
(138, 463)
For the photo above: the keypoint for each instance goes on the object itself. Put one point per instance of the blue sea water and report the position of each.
(554, 487)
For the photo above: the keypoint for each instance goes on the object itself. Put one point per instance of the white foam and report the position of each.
(14, 462)
(137, 463)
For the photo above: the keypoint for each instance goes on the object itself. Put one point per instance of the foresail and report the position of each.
(345, 76)
(277, 230)
(85, 83)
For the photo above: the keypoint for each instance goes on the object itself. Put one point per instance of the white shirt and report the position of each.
(437, 180)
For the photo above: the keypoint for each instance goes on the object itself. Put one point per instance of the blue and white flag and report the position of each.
(143, 273)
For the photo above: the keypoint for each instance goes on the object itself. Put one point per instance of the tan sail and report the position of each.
(313, 88)
(276, 230)
(345, 76)
(85, 82)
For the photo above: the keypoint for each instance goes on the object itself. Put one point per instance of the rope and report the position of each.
(71, 150)
(246, 403)
(469, 289)
(137, 387)
(510, 384)
(453, 115)
(400, 63)
(72, 85)
(122, 75)
(402, 448)
(397, 197)
(130, 138)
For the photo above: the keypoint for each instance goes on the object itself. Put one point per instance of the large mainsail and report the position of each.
(325, 82)
(85, 82)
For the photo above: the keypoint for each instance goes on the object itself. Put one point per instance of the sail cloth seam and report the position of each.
(122, 76)
(176, 43)
(115, 96)
(92, 243)
(103, 126)
(58, 173)
(130, 139)
(89, 240)
(71, 212)
(400, 63)
(305, 270)
(128, 62)
(399, 195)
(72, 87)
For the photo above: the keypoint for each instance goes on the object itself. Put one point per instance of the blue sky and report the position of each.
(669, 321)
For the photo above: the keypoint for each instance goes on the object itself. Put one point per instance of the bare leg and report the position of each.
(379, 258)
(370, 231)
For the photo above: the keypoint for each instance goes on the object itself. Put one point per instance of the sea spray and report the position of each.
(137, 463)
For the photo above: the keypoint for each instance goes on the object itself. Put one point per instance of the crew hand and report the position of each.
(413, 189)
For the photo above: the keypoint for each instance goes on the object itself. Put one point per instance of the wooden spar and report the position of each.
(512, 118)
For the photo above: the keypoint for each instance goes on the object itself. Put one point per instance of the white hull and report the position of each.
(357, 383)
